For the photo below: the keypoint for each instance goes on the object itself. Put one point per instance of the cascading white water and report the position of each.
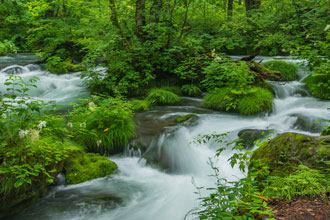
(142, 192)
(63, 89)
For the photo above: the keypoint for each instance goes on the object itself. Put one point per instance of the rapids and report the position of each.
(143, 192)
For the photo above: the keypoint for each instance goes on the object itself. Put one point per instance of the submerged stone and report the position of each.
(249, 136)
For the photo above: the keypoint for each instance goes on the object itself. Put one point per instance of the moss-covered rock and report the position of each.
(80, 167)
(175, 89)
(288, 70)
(318, 82)
(162, 97)
(283, 154)
(249, 136)
(264, 73)
(224, 99)
(185, 118)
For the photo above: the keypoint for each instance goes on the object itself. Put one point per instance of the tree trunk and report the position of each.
(230, 7)
(115, 22)
(140, 18)
(185, 18)
(170, 24)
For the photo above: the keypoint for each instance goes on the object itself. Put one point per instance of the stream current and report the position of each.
(142, 192)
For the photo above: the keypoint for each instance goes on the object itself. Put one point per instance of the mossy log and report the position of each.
(264, 73)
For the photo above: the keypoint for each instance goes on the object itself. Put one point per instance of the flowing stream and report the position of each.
(143, 192)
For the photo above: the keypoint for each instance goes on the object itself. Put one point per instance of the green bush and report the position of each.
(318, 83)
(7, 47)
(56, 65)
(288, 70)
(140, 105)
(224, 99)
(231, 74)
(191, 90)
(102, 125)
(162, 97)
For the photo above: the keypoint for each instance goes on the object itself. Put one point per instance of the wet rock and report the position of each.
(249, 136)
(186, 119)
(307, 123)
(283, 154)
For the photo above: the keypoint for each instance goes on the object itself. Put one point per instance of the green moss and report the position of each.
(191, 90)
(185, 118)
(162, 97)
(218, 99)
(254, 103)
(288, 70)
(285, 152)
(80, 167)
(140, 105)
(249, 104)
(326, 131)
(318, 83)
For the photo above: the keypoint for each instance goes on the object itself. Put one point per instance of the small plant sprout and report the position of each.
(83, 125)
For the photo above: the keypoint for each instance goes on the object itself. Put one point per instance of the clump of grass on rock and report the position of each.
(162, 97)
(224, 99)
(140, 105)
(288, 70)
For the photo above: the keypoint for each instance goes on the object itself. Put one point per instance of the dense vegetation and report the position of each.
(153, 51)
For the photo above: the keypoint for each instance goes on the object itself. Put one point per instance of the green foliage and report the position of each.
(174, 89)
(140, 105)
(223, 99)
(35, 163)
(191, 90)
(55, 65)
(81, 167)
(162, 97)
(235, 75)
(318, 83)
(288, 70)
(7, 47)
(303, 182)
(102, 125)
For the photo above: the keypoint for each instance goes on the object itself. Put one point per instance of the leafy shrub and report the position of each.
(102, 125)
(140, 105)
(318, 83)
(235, 75)
(7, 47)
(224, 99)
(191, 90)
(162, 97)
(288, 70)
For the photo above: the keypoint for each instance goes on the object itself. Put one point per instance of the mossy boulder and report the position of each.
(249, 136)
(318, 82)
(264, 73)
(224, 99)
(283, 154)
(80, 167)
(288, 70)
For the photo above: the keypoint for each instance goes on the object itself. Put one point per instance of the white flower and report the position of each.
(327, 27)
(34, 134)
(69, 124)
(307, 36)
(42, 125)
(4, 116)
(23, 133)
(99, 142)
(283, 50)
(91, 106)
(83, 125)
